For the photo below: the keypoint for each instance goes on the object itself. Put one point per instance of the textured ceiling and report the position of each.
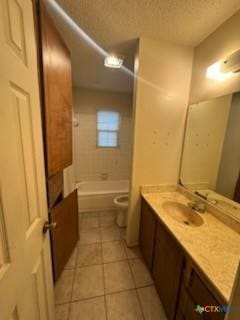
(116, 24)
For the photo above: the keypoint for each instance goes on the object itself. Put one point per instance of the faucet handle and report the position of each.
(197, 206)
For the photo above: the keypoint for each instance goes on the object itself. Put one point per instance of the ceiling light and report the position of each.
(113, 62)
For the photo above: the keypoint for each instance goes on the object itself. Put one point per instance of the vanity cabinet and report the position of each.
(167, 269)
(196, 290)
(179, 282)
(147, 233)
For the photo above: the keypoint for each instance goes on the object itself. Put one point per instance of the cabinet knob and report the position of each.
(49, 226)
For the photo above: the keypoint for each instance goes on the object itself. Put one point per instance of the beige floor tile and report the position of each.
(108, 219)
(63, 287)
(71, 264)
(107, 213)
(91, 214)
(88, 283)
(111, 233)
(89, 222)
(62, 311)
(123, 306)
(133, 252)
(91, 309)
(113, 251)
(151, 304)
(79, 220)
(90, 236)
(117, 277)
(123, 233)
(140, 272)
(89, 254)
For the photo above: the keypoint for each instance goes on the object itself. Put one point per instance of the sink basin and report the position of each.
(183, 214)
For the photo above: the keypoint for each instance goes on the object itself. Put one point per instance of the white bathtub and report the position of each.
(99, 195)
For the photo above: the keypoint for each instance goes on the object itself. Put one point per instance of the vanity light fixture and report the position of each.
(231, 63)
(225, 68)
(112, 61)
(214, 72)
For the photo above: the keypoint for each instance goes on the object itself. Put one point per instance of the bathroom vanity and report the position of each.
(192, 257)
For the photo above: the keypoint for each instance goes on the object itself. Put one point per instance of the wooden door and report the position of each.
(26, 285)
(167, 270)
(66, 234)
(57, 95)
(147, 233)
(55, 189)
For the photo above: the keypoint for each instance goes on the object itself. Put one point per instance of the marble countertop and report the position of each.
(213, 246)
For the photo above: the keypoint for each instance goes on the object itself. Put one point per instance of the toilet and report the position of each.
(121, 203)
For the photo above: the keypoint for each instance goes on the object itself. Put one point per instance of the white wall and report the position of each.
(206, 128)
(160, 107)
(69, 173)
(230, 162)
(93, 162)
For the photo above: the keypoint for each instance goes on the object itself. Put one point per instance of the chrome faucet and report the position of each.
(197, 206)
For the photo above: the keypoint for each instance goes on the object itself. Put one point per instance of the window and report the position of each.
(107, 129)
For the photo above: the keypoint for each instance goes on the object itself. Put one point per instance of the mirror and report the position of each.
(211, 152)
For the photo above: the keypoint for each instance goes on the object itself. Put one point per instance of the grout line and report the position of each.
(107, 294)
(136, 288)
(104, 284)
(87, 298)
(140, 304)
(74, 276)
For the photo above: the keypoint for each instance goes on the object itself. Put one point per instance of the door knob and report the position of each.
(49, 226)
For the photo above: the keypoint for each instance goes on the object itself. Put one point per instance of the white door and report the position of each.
(26, 286)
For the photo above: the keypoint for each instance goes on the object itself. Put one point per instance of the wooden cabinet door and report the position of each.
(187, 310)
(57, 96)
(201, 295)
(147, 233)
(167, 270)
(66, 234)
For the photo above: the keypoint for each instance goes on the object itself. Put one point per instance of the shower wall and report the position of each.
(92, 162)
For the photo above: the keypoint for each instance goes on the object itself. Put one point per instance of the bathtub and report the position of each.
(99, 195)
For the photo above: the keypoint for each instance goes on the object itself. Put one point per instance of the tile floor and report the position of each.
(103, 279)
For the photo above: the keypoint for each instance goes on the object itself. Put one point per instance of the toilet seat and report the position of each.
(121, 204)
(121, 201)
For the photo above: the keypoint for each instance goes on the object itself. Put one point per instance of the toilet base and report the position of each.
(121, 218)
